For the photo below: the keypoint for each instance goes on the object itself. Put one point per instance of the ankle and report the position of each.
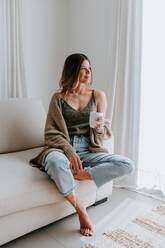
(81, 210)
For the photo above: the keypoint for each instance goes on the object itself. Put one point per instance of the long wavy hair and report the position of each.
(70, 73)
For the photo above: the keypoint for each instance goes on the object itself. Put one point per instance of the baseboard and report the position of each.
(100, 201)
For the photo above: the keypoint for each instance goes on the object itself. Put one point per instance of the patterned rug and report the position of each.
(131, 225)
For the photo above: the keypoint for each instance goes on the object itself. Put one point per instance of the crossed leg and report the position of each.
(57, 167)
(86, 227)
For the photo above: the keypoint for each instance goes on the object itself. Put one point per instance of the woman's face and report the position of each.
(85, 72)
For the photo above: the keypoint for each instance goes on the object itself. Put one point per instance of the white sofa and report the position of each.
(28, 198)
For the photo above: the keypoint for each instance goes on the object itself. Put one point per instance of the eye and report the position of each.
(84, 68)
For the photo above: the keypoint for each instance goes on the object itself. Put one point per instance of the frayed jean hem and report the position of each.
(93, 177)
(69, 191)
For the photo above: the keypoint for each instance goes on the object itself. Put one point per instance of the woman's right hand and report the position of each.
(75, 163)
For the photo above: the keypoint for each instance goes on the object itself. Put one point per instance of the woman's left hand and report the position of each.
(101, 102)
(99, 126)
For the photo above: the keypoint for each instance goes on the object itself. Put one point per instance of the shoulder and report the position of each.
(55, 99)
(100, 95)
(56, 95)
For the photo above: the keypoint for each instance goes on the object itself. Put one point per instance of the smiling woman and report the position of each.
(74, 149)
(75, 70)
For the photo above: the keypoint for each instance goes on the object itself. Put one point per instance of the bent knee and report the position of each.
(56, 161)
(129, 166)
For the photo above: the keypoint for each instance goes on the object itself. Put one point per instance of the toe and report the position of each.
(86, 232)
(82, 231)
(90, 232)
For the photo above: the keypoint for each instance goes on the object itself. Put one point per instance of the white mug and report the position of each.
(93, 117)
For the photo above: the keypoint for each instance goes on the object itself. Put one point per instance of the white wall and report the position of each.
(43, 32)
(53, 29)
(2, 55)
(88, 31)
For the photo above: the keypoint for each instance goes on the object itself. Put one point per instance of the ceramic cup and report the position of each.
(93, 117)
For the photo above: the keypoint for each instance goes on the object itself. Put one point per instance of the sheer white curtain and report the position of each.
(151, 178)
(13, 83)
(124, 80)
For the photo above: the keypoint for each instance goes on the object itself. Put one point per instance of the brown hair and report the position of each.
(71, 71)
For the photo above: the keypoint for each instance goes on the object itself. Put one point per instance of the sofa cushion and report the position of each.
(23, 186)
(22, 124)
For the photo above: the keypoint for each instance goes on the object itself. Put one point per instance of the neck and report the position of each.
(80, 89)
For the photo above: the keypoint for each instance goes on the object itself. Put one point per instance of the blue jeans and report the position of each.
(102, 167)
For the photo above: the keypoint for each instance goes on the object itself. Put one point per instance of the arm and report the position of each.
(100, 132)
(101, 103)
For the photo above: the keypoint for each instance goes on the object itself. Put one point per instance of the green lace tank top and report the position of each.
(78, 121)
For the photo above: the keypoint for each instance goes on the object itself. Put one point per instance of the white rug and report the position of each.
(131, 225)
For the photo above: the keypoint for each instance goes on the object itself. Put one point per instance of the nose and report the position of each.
(87, 71)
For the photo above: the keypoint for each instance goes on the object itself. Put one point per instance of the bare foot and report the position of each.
(82, 175)
(86, 227)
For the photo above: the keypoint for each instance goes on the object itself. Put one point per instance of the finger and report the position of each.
(75, 164)
(80, 164)
(99, 119)
(73, 172)
(98, 126)
(71, 159)
(71, 168)
(72, 165)
(74, 169)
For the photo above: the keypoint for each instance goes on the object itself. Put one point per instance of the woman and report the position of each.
(72, 149)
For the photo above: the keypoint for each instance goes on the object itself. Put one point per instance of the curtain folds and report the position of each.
(125, 97)
(125, 80)
(13, 84)
(151, 179)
